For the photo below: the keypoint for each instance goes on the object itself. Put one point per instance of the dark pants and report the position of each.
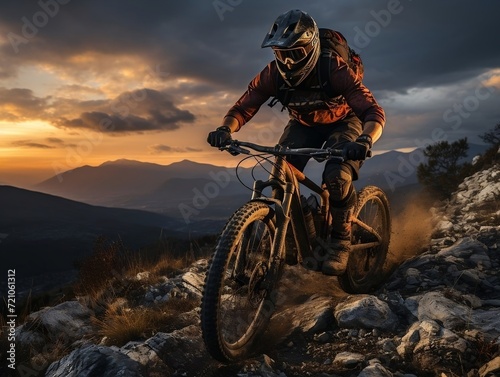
(338, 176)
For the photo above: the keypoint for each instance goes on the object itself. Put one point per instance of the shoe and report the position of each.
(337, 257)
(340, 244)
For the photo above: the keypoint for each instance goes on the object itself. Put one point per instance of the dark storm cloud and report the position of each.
(136, 111)
(187, 37)
(21, 104)
(404, 43)
(425, 44)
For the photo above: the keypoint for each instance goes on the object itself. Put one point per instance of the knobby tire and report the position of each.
(365, 268)
(239, 274)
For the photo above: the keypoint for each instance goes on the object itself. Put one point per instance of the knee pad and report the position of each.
(338, 180)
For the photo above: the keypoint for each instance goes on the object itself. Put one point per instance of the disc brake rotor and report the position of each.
(256, 288)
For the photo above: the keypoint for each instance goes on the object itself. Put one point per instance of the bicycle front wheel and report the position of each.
(366, 263)
(237, 302)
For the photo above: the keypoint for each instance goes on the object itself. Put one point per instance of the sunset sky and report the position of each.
(84, 82)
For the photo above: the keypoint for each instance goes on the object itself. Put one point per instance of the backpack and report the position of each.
(331, 43)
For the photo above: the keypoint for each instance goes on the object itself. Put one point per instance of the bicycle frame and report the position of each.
(284, 180)
(240, 292)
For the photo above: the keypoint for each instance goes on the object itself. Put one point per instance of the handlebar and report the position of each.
(235, 147)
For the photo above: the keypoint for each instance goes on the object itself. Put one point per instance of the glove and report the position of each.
(220, 137)
(358, 150)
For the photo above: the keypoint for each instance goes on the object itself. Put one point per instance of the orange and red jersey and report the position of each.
(308, 103)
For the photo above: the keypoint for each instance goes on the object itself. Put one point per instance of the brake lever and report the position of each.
(320, 156)
(342, 158)
(235, 149)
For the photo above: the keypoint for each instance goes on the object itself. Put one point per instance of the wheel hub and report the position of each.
(256, 287)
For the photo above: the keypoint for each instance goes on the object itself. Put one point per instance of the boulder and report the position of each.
(365, 311)
(434, 348)
(94, 361)
(66, 323)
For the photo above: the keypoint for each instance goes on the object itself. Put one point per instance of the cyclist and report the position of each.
(351, 121)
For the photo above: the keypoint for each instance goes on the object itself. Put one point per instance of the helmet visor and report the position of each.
(292, 55)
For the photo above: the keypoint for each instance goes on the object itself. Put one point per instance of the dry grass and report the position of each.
(52, 352)
(34, 360)
(488, 350)
(109, 285)
(98, 269)
(111, 262)
(111, 271)
(169, 266)
(120, 325)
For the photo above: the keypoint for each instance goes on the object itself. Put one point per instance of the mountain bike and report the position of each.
(240, 292)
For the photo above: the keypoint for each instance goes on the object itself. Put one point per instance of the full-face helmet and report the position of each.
(294, 38)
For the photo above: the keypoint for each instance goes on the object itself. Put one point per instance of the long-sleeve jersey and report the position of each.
(308, 103)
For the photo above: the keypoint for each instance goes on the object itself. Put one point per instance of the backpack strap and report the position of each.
(333, 44)
(324, 70)
(283, 94)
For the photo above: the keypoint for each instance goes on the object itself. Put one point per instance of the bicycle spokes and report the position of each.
(369, 224)
(366, 233)
(243, 288)
(370, 241)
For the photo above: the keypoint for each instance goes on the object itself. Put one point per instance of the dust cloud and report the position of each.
(411, 229)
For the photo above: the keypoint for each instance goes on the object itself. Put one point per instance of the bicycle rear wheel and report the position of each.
(365, 266)
(237, 303)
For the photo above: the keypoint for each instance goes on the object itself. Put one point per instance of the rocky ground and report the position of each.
(437, 314)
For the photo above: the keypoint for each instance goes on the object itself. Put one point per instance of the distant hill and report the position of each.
(41, 233)
(392, 170)
(204, 188)
(117, 182)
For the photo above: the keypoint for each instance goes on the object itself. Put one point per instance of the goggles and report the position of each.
(292, 55)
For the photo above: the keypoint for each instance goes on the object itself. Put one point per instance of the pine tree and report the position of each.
(492, 136)
(492, 154)
(443, 171)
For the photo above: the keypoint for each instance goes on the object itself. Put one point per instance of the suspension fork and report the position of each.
(282, 215)
(284, 190)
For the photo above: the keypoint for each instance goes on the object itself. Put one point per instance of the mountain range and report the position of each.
(194, 192)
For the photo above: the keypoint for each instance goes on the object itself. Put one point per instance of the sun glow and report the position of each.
(492, 79)
(30, 129)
